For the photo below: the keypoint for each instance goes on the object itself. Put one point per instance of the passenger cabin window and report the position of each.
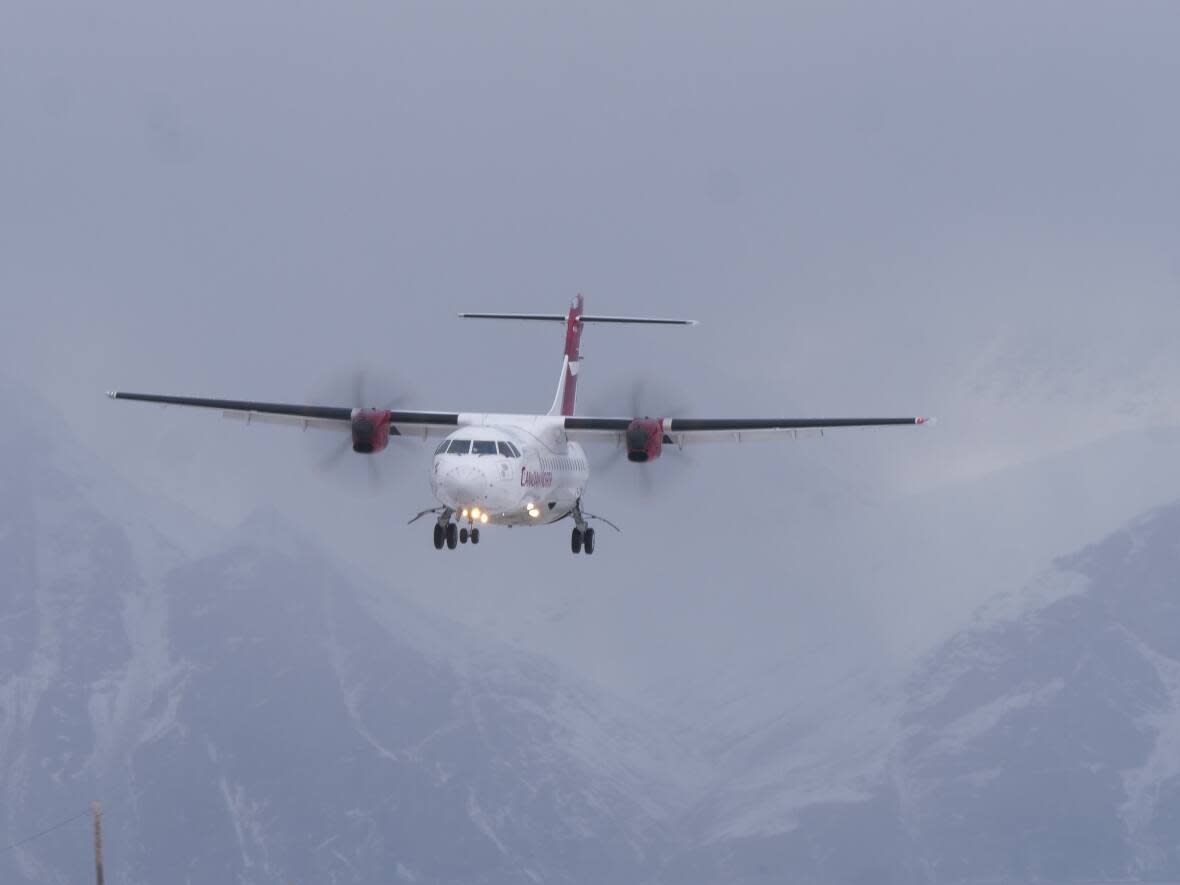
(459, 447)
(483, 447)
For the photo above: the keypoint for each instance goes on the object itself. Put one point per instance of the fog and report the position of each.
(959, 210)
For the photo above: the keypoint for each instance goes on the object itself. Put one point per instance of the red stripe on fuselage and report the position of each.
(573, 351)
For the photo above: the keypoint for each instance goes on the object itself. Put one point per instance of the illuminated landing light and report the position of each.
(534, 513)
(483, 517)
(475, 513)
(464, 513)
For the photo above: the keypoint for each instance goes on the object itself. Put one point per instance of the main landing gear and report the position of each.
(582, 540)
(448, 533)
(582, 537)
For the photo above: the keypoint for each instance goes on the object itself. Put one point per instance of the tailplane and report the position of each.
(567, 386)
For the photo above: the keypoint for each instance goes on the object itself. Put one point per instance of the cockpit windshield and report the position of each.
(477, 447)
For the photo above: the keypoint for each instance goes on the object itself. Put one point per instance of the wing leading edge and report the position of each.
(402, 423)
(681, 430)
(589, 429)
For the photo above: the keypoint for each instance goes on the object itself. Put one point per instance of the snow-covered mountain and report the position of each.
(250, 713)
(250, 710)
(1040, 744)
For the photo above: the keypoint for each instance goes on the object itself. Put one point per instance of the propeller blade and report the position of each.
(335, 456)
(356, 387)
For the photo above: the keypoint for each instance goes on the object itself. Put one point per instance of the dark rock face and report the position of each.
(308, 738)
(1042, 744)
(252, 715)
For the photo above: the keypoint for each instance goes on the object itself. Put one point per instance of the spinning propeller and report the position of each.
(369, 433)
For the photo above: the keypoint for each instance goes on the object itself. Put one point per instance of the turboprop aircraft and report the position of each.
(518, 470)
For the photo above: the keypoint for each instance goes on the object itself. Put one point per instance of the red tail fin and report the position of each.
(573, 353)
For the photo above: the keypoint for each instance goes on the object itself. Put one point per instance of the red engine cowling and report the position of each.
(370, 430)
(645, 439)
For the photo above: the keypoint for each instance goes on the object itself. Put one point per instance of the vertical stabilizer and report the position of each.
(567, 386)
(559, 397)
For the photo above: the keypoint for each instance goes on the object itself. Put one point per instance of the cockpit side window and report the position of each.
(483, 447)
(459, 447)
(442, 447)
(506, 450)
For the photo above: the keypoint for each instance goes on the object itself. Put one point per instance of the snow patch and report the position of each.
(1143, 784)
(959, 734)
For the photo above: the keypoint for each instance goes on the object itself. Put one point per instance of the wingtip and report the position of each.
(926, 420)
(113, 394)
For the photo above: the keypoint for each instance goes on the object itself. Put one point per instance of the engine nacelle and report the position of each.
(645, 439)
(370, 430)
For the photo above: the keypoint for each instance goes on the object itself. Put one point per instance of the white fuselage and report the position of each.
(509, 467)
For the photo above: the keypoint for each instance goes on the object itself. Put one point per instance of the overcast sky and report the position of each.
(959, 209)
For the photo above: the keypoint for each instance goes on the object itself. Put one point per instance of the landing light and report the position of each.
(464, 514)
(483, 517)
(475, 513)
(534, 513)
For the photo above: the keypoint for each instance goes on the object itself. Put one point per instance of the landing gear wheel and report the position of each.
(440, 536)
(588, 541)
(462, 536)
(475, 536)
(452, 536)
(576, 540)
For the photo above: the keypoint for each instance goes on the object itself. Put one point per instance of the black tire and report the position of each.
(576, 540)
(475, 536)
(440, 536)
(462, 536)
(452, 536)
(588, 542)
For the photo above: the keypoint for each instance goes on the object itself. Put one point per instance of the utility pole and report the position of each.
(96, 809)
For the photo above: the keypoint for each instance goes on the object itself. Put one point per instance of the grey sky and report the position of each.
(959, 209)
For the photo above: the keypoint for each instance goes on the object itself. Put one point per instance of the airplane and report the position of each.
(518, 470)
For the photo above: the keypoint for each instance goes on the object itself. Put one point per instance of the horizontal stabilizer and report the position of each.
(561, 318)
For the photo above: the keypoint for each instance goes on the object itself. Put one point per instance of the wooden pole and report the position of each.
(96, 808)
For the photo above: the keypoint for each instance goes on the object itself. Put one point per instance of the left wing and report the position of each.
(681, 430)
(401, 422)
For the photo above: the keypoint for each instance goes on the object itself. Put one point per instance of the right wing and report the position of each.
(681, 430)
(401, 422)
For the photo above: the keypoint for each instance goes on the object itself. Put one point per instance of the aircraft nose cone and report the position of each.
(469, 486)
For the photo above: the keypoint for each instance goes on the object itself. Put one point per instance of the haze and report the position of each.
(960, 210)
